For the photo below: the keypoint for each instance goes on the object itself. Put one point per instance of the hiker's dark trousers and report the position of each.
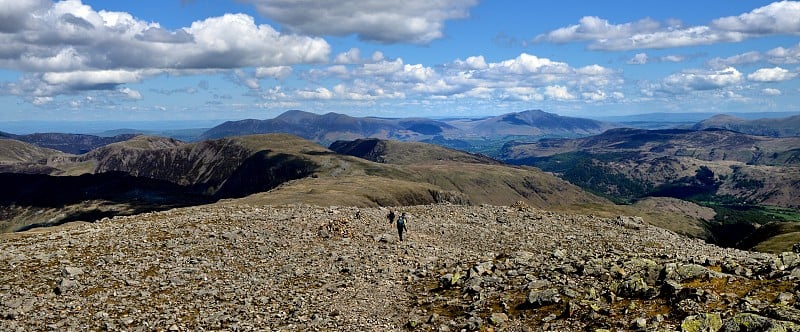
(400, 230)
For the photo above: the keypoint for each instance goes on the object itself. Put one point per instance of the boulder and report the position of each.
(706, 322)
(538, 298)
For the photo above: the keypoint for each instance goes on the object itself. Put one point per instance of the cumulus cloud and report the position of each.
(411, 21)
(131, 94)
(558, 92)
(521, 94)
(696, 80)
(15, 15)
(68, 46)
(320, 93)
(673, 58)
(351, 56)
(595, 28)
(638, 59)
(277, 72)
(643, 58)
(775, 18)
(598, 95)
(772, 19)
(776, 74)
(525, 78)
(244, 78)
(781, 55)
(771, 92)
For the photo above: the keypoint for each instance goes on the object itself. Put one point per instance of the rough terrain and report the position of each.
(239, 267)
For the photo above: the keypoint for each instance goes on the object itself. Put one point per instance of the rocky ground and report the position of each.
(299, 268)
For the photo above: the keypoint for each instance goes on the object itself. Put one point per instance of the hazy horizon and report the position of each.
(94, 127)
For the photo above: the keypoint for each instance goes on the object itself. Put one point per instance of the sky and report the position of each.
(193, 60)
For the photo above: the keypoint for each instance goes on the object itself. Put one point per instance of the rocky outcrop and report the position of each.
(300, 268)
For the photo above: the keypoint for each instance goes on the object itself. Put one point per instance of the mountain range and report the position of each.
(380, 161)
(330, 127)
(749, 180)
(70, 143)
(775, 127)
(145, 173)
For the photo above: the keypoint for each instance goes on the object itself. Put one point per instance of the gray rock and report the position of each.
(65, 285)
(781, 312)
(747, 322)
(705, 322)
(683, 272)
(784, 298)
(635, 287)
(498, 318)
(71, 272)
(789, 260)
(473, 323)
(538, 298)
(640, 323)
(449, 280)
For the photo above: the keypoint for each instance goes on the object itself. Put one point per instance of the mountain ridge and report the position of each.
(774, 127)
(271, 167)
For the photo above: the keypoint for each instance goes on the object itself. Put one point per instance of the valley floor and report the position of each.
(299, 268)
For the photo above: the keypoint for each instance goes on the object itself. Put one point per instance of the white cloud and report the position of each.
(70, 47)
(320, 93)
(245, 79)
(595, 28)
(673, 58)
(277, 72)
(529, 64)
(775, 18)
(42, 100)
(472, 63)
(739, 59)
(643, 58)
(558, 92)
(771, 92)
(598, 95)
(363, 91)
(14, 15)
(776, 74)
(351, 56)
(781, 55)
(91, 78)
(234, 40)
(638, 59)
(130, 93)
(410, 21)
(522, 94)
(700, 80)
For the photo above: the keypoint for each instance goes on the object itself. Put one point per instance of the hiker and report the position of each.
(390, 216)
(401, 225)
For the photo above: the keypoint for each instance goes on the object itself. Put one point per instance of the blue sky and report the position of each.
(114, 60)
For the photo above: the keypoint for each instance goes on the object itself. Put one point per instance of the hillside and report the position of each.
(68, 143)
(330, 127)
(20, 157)
(406, 153)
(774, 127)
(536, 123)
(229, 266)
(742, 177)
(151, 173)
(636, 163)
(465, 134)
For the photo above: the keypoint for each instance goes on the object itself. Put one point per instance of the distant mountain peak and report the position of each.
(295, 115)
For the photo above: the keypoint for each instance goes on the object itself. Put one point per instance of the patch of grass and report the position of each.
(779, 243)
